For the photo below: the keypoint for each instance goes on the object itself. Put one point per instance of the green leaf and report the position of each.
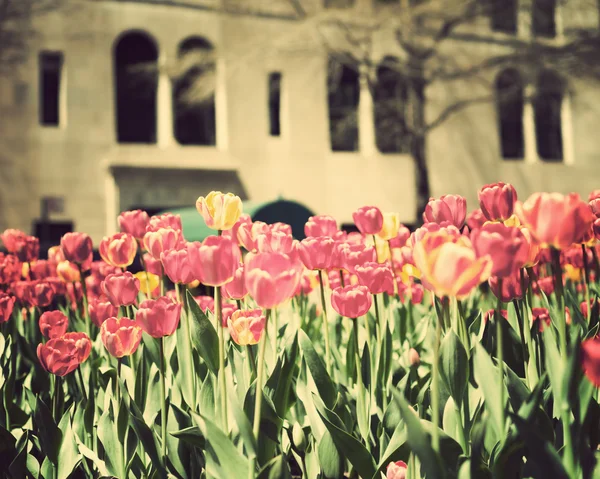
(205, 337)
(222, 451)
(242, 423)
(348, 445)
(486, 375)
(145, 435)
(282, 383)
(332, 463)
(108, 435)
(555, 368)
(454, 366)
(419, 440)
(317, 369)
(396, 449)
(48, 431)
(68, 456)
(191, 435)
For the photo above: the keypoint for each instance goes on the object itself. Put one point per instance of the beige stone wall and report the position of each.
(78, 160)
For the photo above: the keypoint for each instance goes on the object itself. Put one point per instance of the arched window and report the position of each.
(194, 93)
(548, 126)
(504, 15)
(543, 18)
(509, 97)
(344, 92)
(136, 81)
(391, 98)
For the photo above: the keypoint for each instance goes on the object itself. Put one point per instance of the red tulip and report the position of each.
(77, 248)
(227, 310)
(42, 269)
(351, 301)
(177, 266)
(593, 195)
(42, 293)
(118, 250)
(511, 286)
(82, 342)
(10, 269)
(58, 356)
(545, 284)
(321, 225)
(555, 219)
(316, 252)
(100, 309)
(476, 219)
(246, 327)
(506, 245)
(53, 324)
(368, 220)
(378, 278)
(121, 336)
(396, 470)
(541, 317)
(11, 239)
(7, 304)
(490, 313)
(271, 278)
(214, 261)
(163, 239)
(590, 359)
(152, 265)
(166, 220)
(584, 306)
(448, 208)
(236, 288)
(497, 201)
(134, 223)
(27, 248)
(596, 229)
(121, 289)
(205, 303)
(159, 317)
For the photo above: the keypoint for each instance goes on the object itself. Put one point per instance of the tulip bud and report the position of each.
(53, 324)
(220, 211)
(246, 327)
(120, 336)
(77, 248)
(413, 358)
(368, 220)
(448, 208)
(298, 437)
(121, 289)
(134, 223)
(118, 250)
(396, 470)
(7, 304)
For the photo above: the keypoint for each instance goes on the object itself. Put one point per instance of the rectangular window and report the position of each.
(543, 20)
(275, 104)
(50, 68)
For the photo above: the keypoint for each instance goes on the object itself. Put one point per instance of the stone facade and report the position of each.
(81, 160)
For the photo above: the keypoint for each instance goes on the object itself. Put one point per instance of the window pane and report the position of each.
(548, 124)
(50, 77)
(275, 104)
(544, 18)
(344, 91)
(509, 95)
(504, 15)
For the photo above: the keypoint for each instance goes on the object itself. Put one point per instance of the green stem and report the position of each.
(325, 324)
(500, 356)
(462, 438)
(342, 278)
(558, 288)
(186, 330)
(359, 382)
(259, 391)
(119, 361)
(57, 386)
(435, 379)
(86, 313)
(163, 397)
(275, 332)
(378, 328)
(396, 290)
(80, 375)
(518, 304)
(586, 279)
(222, 378)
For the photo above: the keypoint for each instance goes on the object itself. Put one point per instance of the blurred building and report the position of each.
(150, 104)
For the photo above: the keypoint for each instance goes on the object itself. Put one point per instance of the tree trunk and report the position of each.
(418, 125)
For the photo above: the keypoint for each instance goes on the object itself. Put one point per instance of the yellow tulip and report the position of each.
(220, 211)
(391, 225)
(148, 282)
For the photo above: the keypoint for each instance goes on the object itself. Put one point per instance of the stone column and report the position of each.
(529, 135)
(221, 120)
(366, 118)
(164, 105)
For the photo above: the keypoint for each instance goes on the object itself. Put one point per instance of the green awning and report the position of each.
(290, 212)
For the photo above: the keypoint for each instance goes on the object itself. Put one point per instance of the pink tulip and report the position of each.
(215, 260)
(271, 278)
(506, 245)
(227, 310)
(596, 229)
(159, 317)
(497, 201)
(10, 269)
(166, 220)
(134, 223)
(232, 233)
(316, 252)
(378, 278)
(541, 317)
(11, 238)
(205, 303)
(41, 294)
(236, 288)
(555, 219)
(273, 241)
(396, 470)
(152, 265)
(7, 304)
(100, 309)
(590, 359)
(321, 225)
(351, 301)
(118, 250)
(55, 255)
(177, 266)
(121, 289)
(476, 219)
(450, 208)
(77, 248)
(420, 233)
(120, 336)
(402, 238)
(58, 356)
(53, 324)
(163, 239)
(42, 269)
(356, 255)
(593, 195)
(368, 220)
(246, 327)
(248, 234)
